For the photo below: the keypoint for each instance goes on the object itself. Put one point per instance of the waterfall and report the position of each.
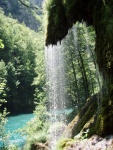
(55, 69)
(55, 73)
(71, 77)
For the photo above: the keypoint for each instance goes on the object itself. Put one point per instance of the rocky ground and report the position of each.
(93, 143)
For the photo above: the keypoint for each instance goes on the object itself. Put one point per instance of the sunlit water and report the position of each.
(56, 80)
(14, 123)
(55, 71)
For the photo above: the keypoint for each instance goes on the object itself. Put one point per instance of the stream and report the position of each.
(14, 123)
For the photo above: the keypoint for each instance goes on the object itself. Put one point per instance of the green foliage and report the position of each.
(3, 121)
(81, 74)
(3, 111)
(36, 137)
(3, 75)
(49, 4)
(36, 129)
(41, 116)
(11, 147)
(1, 44)
(22, 55)
(63, 143)
(104, 52)
(39, 122)
(3, 117)
(39, 81)
(105, 119)
(32, 17)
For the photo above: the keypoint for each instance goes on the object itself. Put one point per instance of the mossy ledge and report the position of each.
(62, 14)
(84, 119)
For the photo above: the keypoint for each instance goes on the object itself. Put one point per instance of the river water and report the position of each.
(14, 123)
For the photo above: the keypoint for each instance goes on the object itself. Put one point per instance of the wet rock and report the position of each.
(94, 143)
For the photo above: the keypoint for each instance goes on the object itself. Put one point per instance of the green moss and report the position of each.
(86, 117)
(107, 114)
(103, 121)
(104, 52)
(83, 118)
(96, 127)
(57, 22)
(61, 16)
(87, 127)
(104, 45)
(63, 143)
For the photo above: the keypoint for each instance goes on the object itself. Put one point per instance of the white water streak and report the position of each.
(55, 70)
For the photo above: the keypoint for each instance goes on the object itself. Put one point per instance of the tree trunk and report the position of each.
(75, 81)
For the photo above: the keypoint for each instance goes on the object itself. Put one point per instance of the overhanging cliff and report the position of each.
(63, 13)
(99, 13)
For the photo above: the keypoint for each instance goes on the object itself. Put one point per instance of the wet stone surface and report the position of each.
(94, 143)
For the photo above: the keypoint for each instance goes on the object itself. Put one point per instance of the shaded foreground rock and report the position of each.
(40, 146)
(94, 143)
(85, 118)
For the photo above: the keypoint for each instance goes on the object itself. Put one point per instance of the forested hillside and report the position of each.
(30, 14)
(20, 53)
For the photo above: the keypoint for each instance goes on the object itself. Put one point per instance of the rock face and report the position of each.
(99, 13)
(62, 15)
(40, 146)
(84, 120)
(94, 143)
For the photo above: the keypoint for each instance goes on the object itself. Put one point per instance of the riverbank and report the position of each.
(14, 123)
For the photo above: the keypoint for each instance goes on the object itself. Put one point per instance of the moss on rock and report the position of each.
(106, 118)
(84, 116)
(62, 14)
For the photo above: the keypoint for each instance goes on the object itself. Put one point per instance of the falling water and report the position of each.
(55, 70)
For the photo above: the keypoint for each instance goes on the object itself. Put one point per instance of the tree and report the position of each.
(80, 67)
(27, 12)
(20, 56)
(3, 111)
